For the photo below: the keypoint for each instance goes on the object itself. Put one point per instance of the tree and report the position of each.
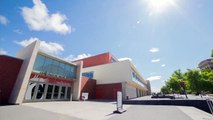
(207, 79)
(174, 80)
(212, 53)
(165, 90)
(193, 77)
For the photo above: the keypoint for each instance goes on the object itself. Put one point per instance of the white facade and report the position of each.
(110, 73)
(28, 55)
(119, 72)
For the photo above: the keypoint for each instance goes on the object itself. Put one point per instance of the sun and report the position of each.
(160, 5)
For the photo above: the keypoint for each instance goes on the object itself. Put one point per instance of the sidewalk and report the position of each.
(88, 110)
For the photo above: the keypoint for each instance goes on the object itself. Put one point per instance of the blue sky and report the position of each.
(159, 36)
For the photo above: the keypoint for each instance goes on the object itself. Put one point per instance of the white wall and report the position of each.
(111, 73)
(130, 91)
(28, 54)
(77, 82)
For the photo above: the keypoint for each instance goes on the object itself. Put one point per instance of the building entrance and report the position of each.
(40, 91)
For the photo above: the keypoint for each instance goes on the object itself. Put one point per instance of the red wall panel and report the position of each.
(9, 69)
(107, 91)
(96, 60)
(88, 85)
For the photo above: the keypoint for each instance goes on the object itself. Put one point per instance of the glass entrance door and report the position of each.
(38, 91)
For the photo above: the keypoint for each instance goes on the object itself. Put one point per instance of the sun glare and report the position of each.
(160, 5)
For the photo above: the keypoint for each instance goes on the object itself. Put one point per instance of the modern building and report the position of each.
(35, 76)
(208, 63)
(112, 75)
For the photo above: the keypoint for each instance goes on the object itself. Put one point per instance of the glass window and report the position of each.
(61, 70)
(72, 68)
(68, 92)
(49, 92)
(56, 90)
(47, 65)
(39, 62)
(63, 92)
(54, 67)
(40, 92)
(67, 71)
(72, 72)
(88, 74)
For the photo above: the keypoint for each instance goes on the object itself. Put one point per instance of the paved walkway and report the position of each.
(177, 96)
(98, 111)
(23, 112)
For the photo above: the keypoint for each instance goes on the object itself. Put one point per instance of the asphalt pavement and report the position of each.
(90, 110)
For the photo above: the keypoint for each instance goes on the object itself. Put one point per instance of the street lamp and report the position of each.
(182, 84)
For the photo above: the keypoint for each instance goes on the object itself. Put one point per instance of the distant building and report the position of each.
(208, 63)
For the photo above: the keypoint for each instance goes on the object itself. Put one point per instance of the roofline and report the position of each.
(12, 57)
(96, 55)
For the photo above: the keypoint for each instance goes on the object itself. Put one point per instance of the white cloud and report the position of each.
(152, 78)
(17, 31)
(2, 52)
(124, 58)
(3, 20)
(155, 60)
(163, 65)
(153, 50)
(38, 18)
(49, 47)
(138, 22)
(78, 57)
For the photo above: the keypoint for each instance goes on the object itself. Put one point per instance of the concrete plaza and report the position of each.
(89, 110)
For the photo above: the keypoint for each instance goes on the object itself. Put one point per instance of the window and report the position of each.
(53, 67)
(40, 91)
(69, 93)
(56, 90)
(47, 65)
(63, 92)
(136, 78)
(39, 62)
(49, 92)
(61, 70)
(88, 74)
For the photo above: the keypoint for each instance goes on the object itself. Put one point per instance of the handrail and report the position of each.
(210, 104)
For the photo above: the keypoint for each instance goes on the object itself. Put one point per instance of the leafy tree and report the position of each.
(193, 77)
(207, 79)
(165, 90)
(212, 53)
(174, 80)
